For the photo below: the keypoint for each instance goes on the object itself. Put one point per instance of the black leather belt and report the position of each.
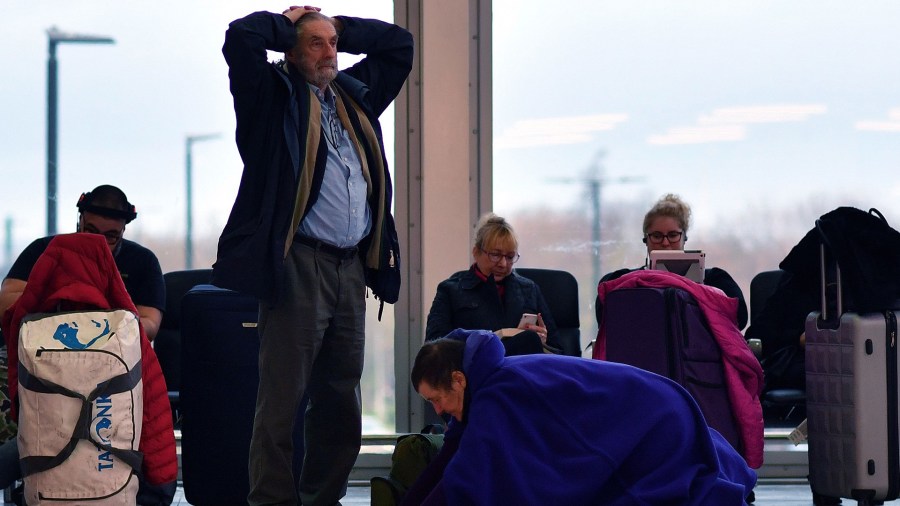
(324, 247)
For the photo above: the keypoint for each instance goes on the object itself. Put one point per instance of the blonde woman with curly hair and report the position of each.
(666, 228)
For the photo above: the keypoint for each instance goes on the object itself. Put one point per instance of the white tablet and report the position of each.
(688, 263)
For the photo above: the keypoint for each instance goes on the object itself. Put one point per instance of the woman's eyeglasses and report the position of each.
(495, 257)
(657, 237)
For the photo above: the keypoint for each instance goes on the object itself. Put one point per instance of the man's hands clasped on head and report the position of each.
(295, 12)
(315, 54)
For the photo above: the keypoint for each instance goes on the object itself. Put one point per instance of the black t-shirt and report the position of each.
(137, 265)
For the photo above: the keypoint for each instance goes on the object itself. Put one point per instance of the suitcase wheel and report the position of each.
(824, 500)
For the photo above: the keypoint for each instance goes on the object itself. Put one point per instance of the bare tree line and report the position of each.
(743, 244)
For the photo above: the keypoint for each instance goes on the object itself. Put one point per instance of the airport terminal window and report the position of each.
(125, 112)
(761, 115)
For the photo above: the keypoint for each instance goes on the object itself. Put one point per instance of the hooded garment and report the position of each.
(551, 429)
(78, 271)
(743, 374)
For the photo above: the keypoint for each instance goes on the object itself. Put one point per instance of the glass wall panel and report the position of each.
(125, 111)
(762, 115)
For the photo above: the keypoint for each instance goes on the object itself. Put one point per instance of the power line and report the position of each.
(595, 181)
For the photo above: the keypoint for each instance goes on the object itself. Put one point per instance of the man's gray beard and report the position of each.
(322, 79)
(319, 79)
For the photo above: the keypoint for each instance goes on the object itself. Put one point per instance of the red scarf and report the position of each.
(501, 288)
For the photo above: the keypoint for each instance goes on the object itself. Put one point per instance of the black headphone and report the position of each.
(86, 204)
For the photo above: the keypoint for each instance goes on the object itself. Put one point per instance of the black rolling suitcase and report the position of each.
(220, 375)
(852, 401)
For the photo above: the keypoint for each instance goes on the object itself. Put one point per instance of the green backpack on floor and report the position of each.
(411, 456)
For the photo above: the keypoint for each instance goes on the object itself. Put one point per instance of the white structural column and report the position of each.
(442, 165)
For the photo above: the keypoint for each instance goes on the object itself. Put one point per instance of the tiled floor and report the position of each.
(770, 493)
(792, 494)
(356, 496)
(775, 489)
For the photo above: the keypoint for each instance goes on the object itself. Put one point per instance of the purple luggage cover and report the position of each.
(663, 330)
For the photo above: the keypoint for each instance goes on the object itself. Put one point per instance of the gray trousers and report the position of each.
(311, 341)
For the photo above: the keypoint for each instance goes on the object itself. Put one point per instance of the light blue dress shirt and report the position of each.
(341, 215)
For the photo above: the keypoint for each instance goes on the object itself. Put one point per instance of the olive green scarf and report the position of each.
(365, 134)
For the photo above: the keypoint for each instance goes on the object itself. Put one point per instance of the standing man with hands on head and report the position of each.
(309, 230)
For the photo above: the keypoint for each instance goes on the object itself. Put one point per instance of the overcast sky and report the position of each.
(729, 102)
(125, 109)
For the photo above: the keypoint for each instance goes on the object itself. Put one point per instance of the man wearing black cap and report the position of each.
(105, 210)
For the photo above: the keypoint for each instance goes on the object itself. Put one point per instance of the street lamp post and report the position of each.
(596, 181)
(54, 38)
(189, 214)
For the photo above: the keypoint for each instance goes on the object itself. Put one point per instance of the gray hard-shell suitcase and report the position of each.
(852, 401)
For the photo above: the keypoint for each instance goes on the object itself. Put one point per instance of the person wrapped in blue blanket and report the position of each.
(550, 429)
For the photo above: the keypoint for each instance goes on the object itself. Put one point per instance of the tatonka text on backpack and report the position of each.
(80, 407)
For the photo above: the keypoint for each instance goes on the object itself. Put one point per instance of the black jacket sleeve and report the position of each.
(249, 71)
(440, 317)
(547, 316)
(389, 57)
(722, 280)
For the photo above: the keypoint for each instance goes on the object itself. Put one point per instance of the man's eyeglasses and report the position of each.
(336, 130)
(657, 237)
(495, 257)
(111, 235)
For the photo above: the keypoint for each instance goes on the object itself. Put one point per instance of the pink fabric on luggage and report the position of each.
(743, 374)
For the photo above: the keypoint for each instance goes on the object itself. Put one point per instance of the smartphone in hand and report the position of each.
(528, 319)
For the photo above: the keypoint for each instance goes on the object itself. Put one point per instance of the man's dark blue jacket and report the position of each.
(273, 118)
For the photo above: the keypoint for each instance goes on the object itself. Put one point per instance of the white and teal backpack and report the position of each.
(80, 407)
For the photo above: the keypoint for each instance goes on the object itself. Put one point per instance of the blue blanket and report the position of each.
(550, 429)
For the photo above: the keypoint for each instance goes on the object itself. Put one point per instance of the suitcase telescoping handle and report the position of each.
(823, 244)
(823, 272)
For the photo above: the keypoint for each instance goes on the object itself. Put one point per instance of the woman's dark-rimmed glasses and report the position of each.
(657, 237)
(495, 257)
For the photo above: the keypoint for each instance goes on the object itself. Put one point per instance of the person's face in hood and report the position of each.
(446, 400)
